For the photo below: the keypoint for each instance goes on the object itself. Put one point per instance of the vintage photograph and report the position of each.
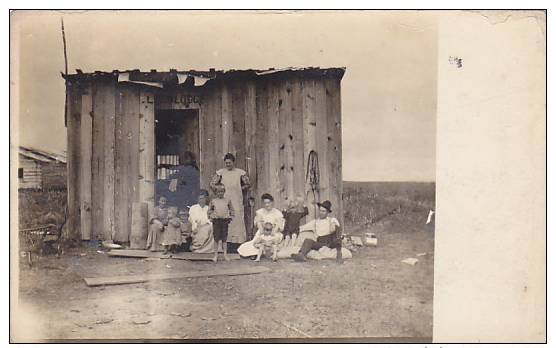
(224, 175)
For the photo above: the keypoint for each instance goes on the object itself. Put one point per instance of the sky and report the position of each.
(388, 91)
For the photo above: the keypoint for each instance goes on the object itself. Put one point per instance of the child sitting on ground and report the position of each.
(296, 211)
(172, 233)
(267, 240)
(221, 212)
(157, 224)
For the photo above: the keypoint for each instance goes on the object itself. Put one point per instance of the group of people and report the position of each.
(210, 224)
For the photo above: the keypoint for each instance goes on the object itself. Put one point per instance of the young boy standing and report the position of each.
(221, 212)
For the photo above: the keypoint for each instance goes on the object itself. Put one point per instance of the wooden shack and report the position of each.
(284, 127)
(41, 170)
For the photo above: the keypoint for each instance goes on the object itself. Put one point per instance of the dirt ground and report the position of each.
(372, 295)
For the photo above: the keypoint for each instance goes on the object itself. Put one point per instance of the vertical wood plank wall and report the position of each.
(85, 168)
(270, 124)
(120, 170)
(334, 117)
(147, 150)
(206, 135)
(261, 139)
(108, 107)
(73, 160)
(103, 167)
(309, 139)
(126, 163)
(272, 142)
(97, 165)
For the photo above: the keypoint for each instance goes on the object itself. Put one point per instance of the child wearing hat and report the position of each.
(267, 240)
(220, 212)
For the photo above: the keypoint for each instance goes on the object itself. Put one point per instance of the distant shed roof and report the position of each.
(41, 155)
(199, 78)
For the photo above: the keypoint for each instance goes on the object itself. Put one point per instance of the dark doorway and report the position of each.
(177, 153)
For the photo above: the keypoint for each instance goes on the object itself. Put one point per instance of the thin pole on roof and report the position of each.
(65, 51)
(66, 69)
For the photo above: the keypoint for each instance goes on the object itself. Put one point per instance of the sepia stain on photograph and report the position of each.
(234, 176)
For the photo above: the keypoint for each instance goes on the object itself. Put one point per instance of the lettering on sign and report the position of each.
(178, 101)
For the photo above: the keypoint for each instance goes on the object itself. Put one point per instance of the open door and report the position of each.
(177, 153)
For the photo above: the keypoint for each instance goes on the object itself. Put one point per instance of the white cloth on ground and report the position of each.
(248, 249)
(323, 253)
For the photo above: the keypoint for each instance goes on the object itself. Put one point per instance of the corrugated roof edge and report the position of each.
(216, 74)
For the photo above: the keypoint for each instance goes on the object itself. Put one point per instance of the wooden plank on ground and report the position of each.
(159, 254)
(85, 170)
(118, 280)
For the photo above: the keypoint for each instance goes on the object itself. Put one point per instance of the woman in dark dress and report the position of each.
(183, 188)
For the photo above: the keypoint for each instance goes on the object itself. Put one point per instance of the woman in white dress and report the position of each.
(201, 227)
(267, 213)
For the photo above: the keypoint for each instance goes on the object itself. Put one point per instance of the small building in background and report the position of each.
(41, 170)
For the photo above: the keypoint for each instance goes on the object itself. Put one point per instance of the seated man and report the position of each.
(326, 229)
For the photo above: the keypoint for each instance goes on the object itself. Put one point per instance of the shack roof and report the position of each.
(41, 155)
(199, 78)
